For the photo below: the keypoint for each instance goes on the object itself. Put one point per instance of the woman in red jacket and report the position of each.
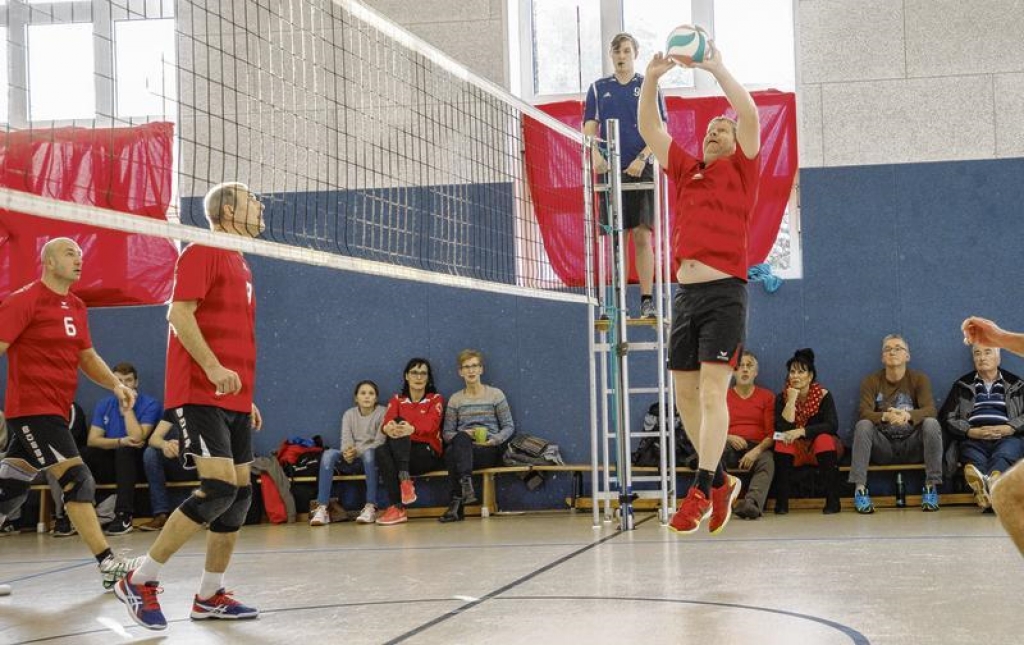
(412, 425)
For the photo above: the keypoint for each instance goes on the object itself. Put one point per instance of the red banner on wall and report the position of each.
(123, 169)
(555, 173)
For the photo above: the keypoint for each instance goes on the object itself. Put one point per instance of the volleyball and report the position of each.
(686, 45)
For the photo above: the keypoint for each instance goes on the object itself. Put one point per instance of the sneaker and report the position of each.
(722, 499)
(862, 502)
(221, 605)
(694, 509)
(116, 567)
(141, 601)
(408, 492)
(7, 528)
(319, 516)
(368, 516)
(62, 527)
(747, 510)
(120, 525)
(929, 499)
(647, 309)
(392, 515)
(978, 485)
(155, 524)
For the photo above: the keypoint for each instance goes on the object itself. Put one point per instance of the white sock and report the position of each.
(148, 571)
(211, 584)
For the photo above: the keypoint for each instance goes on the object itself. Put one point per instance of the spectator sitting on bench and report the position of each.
(162, 462)
(805, 414)
(985, 412)
(749, 443)
(361, 435)
(115, 443)
(412, 425)
(477, 424)
(897, 425)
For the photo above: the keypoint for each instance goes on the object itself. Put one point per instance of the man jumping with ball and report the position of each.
(713, 205)
(211, 365)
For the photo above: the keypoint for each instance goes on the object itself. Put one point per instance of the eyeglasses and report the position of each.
(474, 366)
(893, 350)
(418, 373)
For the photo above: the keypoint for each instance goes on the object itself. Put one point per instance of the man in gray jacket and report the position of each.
(984, 411)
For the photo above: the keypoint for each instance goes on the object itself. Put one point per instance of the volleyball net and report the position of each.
(371, 150)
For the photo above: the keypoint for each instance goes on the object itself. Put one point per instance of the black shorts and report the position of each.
(637, 205)
(709, 324)
(208, 431)
(42, 441)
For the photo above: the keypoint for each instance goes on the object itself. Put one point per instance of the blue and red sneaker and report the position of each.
(221, 605)
(141, 601)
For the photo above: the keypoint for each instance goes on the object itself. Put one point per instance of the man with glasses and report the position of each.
(750, 441)
(897, 425)
(477, 424)
(210, 378)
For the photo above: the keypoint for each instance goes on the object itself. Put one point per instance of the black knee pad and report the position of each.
(232, 519)
(78, 485)
(217, 496)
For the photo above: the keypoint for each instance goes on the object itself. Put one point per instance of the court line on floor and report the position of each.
(855, 636)
(512, 585)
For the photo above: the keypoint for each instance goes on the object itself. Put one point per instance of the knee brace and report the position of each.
(78, 485)
(232, 519)
(217, 496)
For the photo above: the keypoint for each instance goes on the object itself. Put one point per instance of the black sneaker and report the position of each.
(647, 309)
(62, 527)
(120, 525)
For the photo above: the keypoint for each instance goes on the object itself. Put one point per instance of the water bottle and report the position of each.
(901, 493)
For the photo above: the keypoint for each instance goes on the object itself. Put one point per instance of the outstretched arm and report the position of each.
(985, 332)
(652, 128)
(748, 124)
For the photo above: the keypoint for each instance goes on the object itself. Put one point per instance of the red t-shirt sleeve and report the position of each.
(15, 316)
(392, 411)
(194, 274)
(680, 163)
(85, 337)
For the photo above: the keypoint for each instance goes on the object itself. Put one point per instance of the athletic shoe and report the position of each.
(368, 516)
(141, 602)
(929, 499)
(647, 309)
(747, 509)
(694, 509)
(408, 492)
(154, 524)
(7, 528)
(319, 516)
(222, 606)
(120, 525)
(862, 502)
(392, 515)
(116, 567)
(978, 485)
(722, 499)
(62, 527)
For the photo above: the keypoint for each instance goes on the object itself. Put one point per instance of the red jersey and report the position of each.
(221, 283)
(713, 207)
(752, 418)
(425, 415)
(46, 332)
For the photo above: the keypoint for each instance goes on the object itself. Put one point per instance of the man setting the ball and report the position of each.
(713, 204)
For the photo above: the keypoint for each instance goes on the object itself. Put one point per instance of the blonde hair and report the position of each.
(220, 196)
(467, 354)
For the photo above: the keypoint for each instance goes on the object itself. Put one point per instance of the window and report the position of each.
(60, 72)
(567, 45)
(144, 54)
(649, 21)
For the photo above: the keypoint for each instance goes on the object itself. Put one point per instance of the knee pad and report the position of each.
(217, 496)
(232, 519)
(78, 485)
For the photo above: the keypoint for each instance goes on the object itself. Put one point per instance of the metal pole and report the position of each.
(588, 243)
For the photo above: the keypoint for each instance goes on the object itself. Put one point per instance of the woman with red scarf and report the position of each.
(805, 416)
